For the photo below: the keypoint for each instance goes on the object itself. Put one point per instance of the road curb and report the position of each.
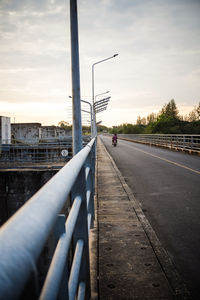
(175, 280)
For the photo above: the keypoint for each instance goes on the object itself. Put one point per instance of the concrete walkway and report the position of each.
(131, 263)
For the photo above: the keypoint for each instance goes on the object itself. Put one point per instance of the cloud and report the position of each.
(158, 42)
(33, 38)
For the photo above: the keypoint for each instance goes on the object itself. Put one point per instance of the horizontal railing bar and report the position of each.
(81, 291)
(74, 275)
(55, 272)
(24, 235)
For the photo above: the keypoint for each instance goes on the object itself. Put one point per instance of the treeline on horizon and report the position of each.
(167, 121)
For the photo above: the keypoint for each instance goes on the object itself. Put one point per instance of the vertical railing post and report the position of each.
(184, 141)
(76, 102)
(192, 142)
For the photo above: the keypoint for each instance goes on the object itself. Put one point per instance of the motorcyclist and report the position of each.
(114, 138)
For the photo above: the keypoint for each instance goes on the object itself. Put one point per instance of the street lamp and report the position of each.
(100, 109)
(104, 100)
(90, 112)
(98, 62)
(92, 131)
(101, 103)
(101, 94)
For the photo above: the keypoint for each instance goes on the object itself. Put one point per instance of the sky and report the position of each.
(158, 42)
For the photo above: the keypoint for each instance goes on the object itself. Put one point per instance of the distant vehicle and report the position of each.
(114, 140)
(114, 143)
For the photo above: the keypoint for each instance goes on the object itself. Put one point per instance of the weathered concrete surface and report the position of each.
(130, 261)
(18, 185)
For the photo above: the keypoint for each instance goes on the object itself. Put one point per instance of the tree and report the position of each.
(141, 121)
(170, 110)
(64, 124)
(193, 116)
(168, 120)
(198, 111)
(151, 118)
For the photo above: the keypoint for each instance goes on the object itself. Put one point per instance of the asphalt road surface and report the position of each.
(167, 185)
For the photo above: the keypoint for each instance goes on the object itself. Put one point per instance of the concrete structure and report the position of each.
(33, 132)
(5, 130)
(26, 132)
(49, 132)
(18, 185)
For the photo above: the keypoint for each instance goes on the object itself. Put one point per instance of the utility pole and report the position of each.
(76, 104)
(80, 234)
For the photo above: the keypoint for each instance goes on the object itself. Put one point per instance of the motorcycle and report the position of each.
(114, 143)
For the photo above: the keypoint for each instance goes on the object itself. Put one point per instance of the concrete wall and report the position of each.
(27, 132)
(5, 130)
(49, 132)
(16, 187)
(33, 132)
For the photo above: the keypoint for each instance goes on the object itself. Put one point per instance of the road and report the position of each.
(167, 186)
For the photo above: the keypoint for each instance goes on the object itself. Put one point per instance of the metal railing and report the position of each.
(24, 235)
(177, 141)
(42, 151)
(51, 152)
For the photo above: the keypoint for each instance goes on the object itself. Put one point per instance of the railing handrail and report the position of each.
(23, 236)
(177, 141)
(160, 134)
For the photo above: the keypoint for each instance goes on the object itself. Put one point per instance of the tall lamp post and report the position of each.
(98, 62)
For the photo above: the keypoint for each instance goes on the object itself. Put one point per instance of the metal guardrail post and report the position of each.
(184, 142)
(192, 140)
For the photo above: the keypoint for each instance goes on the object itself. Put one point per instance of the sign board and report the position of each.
(64, 152)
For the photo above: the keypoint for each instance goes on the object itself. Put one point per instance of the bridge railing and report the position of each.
(181, 141)
(24, 235)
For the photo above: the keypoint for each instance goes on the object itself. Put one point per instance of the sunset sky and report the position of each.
(158, 42)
